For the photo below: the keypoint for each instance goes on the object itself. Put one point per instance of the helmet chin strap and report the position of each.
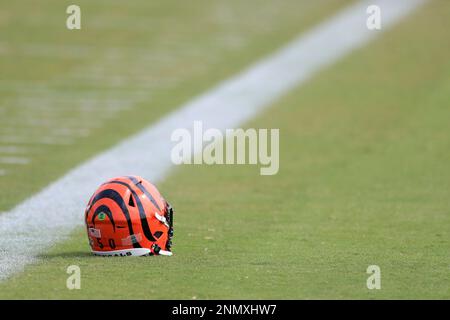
(165, 253)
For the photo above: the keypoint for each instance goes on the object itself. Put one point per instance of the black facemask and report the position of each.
(169, 219)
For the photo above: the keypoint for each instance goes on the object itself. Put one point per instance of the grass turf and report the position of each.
(364, 180)
(146, 56)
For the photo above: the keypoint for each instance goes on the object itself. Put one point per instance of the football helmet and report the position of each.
(127, 216)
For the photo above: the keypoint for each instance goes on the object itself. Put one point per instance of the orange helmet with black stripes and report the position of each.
(127, 216)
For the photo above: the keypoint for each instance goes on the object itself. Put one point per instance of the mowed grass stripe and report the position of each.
(305, 233)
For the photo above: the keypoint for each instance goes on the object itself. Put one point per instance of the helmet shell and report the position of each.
(128, 216)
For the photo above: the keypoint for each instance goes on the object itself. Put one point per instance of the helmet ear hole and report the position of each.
(157, 234)
(131, 201)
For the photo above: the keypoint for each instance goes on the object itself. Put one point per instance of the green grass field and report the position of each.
(148, 62)
(364, 169)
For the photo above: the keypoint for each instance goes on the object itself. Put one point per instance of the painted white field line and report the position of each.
(48, 217)
(12, 150)
(14, 160)
(26, 140)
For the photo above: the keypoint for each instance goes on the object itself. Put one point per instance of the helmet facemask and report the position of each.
(168, 221)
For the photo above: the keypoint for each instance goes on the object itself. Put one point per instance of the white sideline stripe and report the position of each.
(48, 217)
